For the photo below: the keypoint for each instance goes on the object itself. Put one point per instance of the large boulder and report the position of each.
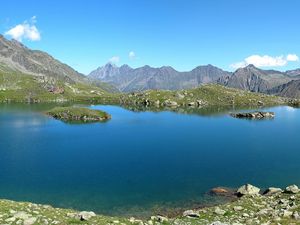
(247, 189)
(191, 213)
(272, 191)
(293, 189)
(84, 215)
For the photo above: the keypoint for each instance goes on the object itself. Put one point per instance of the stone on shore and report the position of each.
(272, 190)
(191, 213)
(293, 189)
(248, 189)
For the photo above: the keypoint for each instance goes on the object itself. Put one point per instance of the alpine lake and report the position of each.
(141, 162)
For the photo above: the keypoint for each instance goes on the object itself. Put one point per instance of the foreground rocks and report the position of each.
(254, 115)
(275, 206)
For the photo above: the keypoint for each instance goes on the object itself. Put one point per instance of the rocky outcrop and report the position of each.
(254, 115)
(289, 90)
(254, 79)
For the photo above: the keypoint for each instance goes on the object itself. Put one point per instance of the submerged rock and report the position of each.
(248, 189)
(222, 191)
(254, 115)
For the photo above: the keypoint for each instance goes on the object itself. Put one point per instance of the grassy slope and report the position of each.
(208, 95)
(16, 87)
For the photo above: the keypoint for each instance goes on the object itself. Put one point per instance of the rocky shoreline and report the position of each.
(252, 206)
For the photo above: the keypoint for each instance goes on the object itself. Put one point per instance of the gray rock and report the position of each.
(160, 219)
(84, 215)
(287, 213)
(30, 221)
(238, 208)
(293, 189)
(248, 189)
(219, 211)
(170, 103)
(296, 216)
(22, 215)
(190, 213)
(272, 190)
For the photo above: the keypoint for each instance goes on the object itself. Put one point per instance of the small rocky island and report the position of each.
(78, 114)
(254, 115)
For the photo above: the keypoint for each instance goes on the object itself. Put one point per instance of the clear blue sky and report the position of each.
(181, 33)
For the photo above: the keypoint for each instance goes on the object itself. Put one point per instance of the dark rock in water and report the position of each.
(254, 115)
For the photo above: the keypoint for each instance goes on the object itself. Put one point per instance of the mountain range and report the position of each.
(49, 75)
(249, 78)
(127, 79)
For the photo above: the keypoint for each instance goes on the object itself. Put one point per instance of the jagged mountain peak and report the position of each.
(146, 77)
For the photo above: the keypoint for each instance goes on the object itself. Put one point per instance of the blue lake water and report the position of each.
(139, 161)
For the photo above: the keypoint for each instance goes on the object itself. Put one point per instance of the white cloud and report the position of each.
(114, 59)
(292, 57)
(131, 55)
(26, 30)
(266, 61)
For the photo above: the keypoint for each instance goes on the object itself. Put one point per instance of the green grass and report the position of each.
(208, 95)
(78, 114)
(17, 87)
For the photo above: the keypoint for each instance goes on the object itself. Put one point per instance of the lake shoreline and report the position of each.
(252, 207)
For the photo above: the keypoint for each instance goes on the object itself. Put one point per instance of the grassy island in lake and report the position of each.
(77, 114)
